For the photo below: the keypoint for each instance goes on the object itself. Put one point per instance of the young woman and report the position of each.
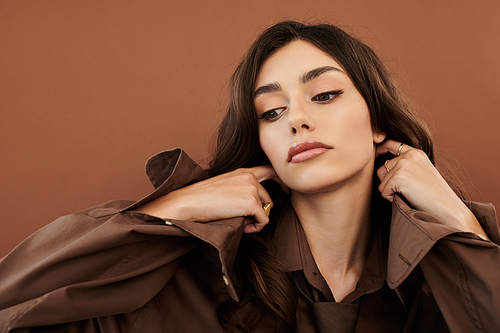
(364, 235)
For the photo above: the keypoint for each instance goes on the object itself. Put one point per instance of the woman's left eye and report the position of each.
(327, 96)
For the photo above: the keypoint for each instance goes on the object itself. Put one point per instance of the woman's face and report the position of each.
(314, 126)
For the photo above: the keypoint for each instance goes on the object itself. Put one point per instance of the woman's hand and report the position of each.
(236, 193)
(412, 175)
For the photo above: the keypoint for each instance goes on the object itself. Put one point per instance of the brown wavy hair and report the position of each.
(263, 282)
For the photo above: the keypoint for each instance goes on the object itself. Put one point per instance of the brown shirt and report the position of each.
(111, 269)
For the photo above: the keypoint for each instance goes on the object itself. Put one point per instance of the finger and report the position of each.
(253, 226)
(391, 146)
(266, 172)
(247, 180)
(386, 173)
(259, 221)
(388, 193)
(263, 172)
(264, 196)
(385, 187)
(261, 198)
(382, 172)
(387, 167)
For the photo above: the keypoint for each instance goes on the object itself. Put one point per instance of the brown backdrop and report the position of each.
(90, 89)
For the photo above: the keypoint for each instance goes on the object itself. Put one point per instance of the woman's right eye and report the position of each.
(272, 115)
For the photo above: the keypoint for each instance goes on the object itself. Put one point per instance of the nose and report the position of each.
(300, 118)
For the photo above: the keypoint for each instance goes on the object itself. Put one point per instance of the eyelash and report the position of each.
(266, 114)
(335, 94)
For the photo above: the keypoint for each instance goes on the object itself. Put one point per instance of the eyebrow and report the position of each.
(314, 73)
(268, 88)
(305, 78)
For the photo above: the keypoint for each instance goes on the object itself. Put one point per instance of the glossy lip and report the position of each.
(299, 147)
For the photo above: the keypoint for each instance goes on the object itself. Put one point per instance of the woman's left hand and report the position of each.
(412, 174)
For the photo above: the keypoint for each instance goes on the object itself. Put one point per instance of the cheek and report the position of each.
(270, 143)
(359, 125)
(354, 136)
(265, 142)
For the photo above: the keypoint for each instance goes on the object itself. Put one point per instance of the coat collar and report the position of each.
(170, 170)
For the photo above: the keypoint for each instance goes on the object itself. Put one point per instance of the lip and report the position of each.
(305, 150)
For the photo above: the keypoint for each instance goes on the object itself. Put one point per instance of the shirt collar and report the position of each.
(294, 253)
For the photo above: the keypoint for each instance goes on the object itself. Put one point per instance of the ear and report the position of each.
(378, 136)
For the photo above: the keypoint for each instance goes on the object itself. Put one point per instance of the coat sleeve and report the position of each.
(108, 260)
(79, 266)
(462, 269)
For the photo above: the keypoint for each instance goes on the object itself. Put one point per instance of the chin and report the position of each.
(315, 182)
(328, 179)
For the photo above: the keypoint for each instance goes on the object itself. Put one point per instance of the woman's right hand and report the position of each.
(236, 193)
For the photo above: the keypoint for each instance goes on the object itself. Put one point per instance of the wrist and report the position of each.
(163, 207)
(466, 221)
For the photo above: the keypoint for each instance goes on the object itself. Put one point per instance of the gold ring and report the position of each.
(386, 166)
(400, 148)
(267, 208)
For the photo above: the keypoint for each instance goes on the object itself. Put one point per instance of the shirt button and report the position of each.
(483, 237)
(168, 223)
(226, 281)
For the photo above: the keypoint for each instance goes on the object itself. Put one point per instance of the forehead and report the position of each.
(293, 60)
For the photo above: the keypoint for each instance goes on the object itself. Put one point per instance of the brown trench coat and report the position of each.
(111, 269)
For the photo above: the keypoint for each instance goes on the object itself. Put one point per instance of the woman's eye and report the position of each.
(327, 96)
(272, 114)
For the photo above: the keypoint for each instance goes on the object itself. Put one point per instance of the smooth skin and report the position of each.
(308, 97)
(330, 192)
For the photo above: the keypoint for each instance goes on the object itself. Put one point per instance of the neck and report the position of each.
(337, 225)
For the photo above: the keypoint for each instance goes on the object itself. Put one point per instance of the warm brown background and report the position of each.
(90, 89)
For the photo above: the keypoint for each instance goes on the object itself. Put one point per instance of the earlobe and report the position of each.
(379, 136)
